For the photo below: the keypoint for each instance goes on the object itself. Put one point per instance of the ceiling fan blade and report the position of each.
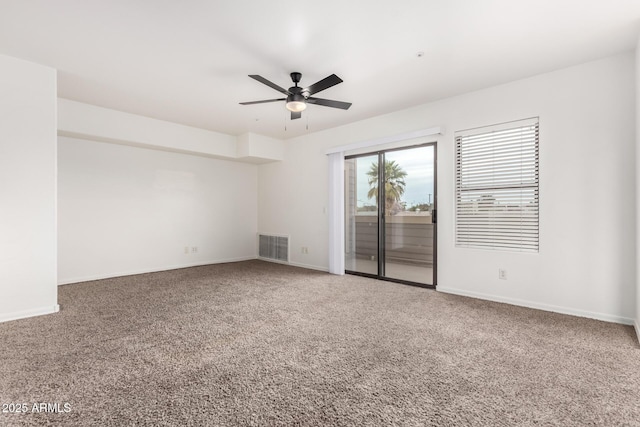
(270, 84)
(329, 103)
(263, 102)
(323, 84)
(295, 115)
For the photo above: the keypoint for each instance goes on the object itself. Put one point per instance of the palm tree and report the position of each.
(393, 183)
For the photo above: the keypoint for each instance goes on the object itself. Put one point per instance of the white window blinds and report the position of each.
(497, 187)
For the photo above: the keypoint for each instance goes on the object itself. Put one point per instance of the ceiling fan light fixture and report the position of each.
(296, 103)
(296, 106)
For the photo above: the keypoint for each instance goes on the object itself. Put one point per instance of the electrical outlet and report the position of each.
(304, 250)
(502, 274)
(194, 249)
(186, 249)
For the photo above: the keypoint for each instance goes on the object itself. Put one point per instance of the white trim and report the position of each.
(295, 264)
(275, 261)
(56, 233)
(438, 130)
(636, 325)
(336, 213)
(309, 266)
(6, 317)
(151, 270)
(545, 307)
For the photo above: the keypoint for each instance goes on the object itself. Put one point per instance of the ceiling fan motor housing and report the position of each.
(295, 76)
(296, 97)
(297, 94)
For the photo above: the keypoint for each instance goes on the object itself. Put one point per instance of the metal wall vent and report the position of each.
(273, 247)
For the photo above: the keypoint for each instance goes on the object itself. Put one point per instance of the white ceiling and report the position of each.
(187, 61)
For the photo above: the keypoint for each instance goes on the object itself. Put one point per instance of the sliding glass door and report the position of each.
(362, 219)
(390, 212)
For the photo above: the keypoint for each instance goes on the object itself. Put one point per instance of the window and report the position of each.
(497, 187)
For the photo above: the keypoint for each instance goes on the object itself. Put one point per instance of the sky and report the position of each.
(419, 165)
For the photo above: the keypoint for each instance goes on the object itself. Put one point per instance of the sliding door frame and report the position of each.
(381, 216)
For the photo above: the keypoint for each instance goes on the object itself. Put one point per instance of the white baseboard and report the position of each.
(151, 270)
(538, 306)
(5, 317)
(636, 325)
(275, 261)
(295, 264)
(309, 266)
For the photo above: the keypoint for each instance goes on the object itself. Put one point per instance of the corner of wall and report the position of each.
(637, 170)
(28, 250)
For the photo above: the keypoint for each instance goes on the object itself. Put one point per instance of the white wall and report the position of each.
(587, 216)
(125, 210)
(27, 189)
(637, 316)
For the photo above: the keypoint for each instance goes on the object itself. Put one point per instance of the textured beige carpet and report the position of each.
(255, 343)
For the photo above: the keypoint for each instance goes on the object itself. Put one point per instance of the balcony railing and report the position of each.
(408, 237)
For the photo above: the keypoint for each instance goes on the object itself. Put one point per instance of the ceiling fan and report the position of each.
(298, 97)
